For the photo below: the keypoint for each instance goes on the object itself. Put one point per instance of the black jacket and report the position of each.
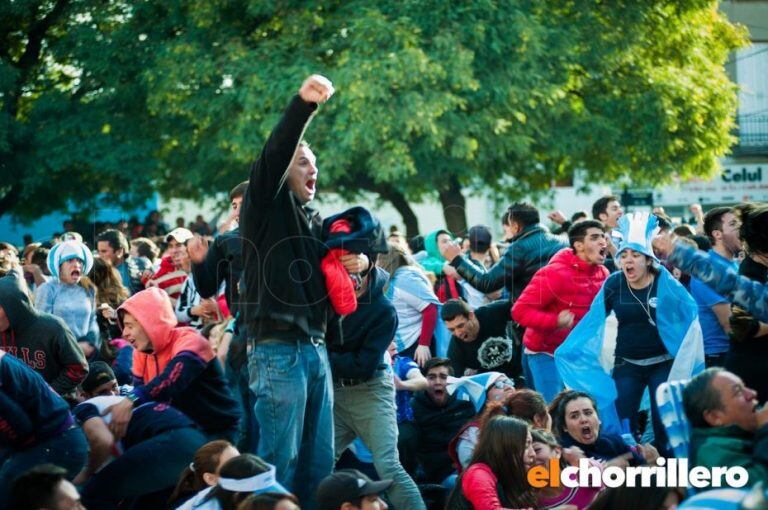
(30, 412)
(437, 426)
(223, 263)
(529, 251)
(356, 342)
(41, 340)
(281, 241)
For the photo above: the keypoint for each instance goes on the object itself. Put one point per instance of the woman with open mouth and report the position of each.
(576, 422)
(658, 335)
(70, 294)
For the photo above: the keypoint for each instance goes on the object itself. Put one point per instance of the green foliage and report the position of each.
(506, 95)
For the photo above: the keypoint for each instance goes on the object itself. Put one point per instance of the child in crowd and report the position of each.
(70, 294)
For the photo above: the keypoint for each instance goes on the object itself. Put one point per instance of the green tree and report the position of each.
(67, 134)
(433, 97)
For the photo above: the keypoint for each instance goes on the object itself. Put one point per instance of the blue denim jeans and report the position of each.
(545, 378)
(143, 469)
(68, 450)
(294, 410)
(238, 381)
(367, 410)
(631, 381)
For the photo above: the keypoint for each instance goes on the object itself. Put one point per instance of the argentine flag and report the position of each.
(677, 317)
(473, 388)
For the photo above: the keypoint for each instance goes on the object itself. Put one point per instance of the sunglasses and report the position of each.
(502, 383)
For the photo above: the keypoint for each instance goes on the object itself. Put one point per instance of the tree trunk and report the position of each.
(454, 207)
(399, 202)
(396, 198)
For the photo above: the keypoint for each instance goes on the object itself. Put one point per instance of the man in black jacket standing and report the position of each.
(531, 247)
(284, 303)
(222, 262)
(364, 389)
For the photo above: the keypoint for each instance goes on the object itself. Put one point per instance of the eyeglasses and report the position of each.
(502, 383)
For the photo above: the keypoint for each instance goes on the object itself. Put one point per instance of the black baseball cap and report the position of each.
(98, 373)
(479, 238)
(345, 486)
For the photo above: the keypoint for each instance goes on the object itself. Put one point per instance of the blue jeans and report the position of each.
(545, 378)
(68, 450)
(238, 381)
(143, 469)
(631, 381)
(294, 410)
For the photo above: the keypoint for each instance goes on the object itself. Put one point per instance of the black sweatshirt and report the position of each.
(281, 242)
(222, 263)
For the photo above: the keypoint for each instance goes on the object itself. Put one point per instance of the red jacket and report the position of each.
(480, 486)
(341, 290)
(566, 283)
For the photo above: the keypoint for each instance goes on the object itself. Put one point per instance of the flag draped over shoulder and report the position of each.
(578, 358)
(473, 388)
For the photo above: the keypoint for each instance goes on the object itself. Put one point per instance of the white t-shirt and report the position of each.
(410, 292)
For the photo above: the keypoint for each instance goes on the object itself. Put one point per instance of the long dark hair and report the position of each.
(109, 286)
(502, 446)
(558, 405)
(191, 481)
(526, 405)
(242, 466)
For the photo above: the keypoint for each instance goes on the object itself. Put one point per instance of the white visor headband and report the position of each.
(254, 483)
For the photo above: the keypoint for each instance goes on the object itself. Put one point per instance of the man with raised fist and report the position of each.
(284, 301)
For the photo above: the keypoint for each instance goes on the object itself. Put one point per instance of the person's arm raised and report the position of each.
(268, 172)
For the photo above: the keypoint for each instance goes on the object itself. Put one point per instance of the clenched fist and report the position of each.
(316, 89)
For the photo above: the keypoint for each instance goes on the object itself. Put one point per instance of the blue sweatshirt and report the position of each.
(74, 305)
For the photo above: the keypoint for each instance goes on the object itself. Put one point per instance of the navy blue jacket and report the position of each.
(30, 411)
(356, 342)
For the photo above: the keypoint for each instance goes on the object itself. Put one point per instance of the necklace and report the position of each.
(647, 306)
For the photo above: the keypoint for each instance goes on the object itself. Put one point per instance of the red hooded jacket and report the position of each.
(152, 309)
(566, 283)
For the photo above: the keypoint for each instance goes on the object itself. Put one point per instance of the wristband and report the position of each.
(133, 397)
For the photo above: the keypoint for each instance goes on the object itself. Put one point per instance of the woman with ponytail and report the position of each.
(203, 471)
(239, 477)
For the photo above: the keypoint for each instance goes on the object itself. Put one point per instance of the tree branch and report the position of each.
(37, 33)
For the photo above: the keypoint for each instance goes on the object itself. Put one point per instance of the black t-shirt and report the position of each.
(637, 338)
(493, 319)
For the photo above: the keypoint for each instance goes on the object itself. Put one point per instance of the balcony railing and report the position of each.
(752, 136)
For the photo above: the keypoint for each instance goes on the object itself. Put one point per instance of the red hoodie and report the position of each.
(152, 309)
(566, 283)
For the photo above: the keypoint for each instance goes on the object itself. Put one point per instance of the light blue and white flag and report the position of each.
(578, 358)
(473, 388)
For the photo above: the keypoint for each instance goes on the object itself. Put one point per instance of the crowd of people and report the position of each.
(290, 361)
